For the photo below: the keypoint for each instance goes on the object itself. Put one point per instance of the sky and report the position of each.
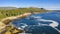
(47, 4)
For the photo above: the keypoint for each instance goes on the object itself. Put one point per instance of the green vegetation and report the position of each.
(11, 30)
(17, 11)
(14, 12)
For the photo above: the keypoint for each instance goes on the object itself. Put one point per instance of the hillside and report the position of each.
(13, 12)
(7, 8)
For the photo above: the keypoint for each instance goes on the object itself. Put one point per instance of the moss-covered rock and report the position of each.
(11, 30)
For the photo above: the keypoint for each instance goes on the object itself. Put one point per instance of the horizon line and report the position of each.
(34, 7)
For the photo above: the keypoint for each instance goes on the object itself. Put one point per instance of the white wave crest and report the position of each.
(54, 24)
(36, 16)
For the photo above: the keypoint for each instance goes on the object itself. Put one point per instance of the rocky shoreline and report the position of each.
(4, 22)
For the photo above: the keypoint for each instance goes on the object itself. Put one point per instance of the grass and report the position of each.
(13, 12)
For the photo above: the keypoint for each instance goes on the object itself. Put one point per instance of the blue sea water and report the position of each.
(39, 23)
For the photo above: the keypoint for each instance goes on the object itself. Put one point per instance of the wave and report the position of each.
(54, 24)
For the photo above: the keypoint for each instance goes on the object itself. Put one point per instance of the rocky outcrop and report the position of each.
(4, 22)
